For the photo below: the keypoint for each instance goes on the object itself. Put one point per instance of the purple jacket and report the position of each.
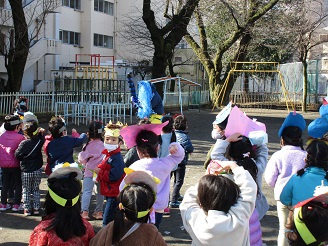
(9, 142)
(255, 229)
(282, 165)
(92, 156)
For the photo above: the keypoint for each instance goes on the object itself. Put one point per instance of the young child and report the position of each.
(284, 163)
(145, 137)
(111, 170)
(9, 164)
(309, 220)
(219, 125)
(62, 223)
(180, 126)
(314, 172)
(60, 149)
(90, 156)
(239, 148)
(130, 226)
(31, 161)
(132, 156)
(217, 210)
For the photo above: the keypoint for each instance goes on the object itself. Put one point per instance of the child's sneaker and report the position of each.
(36, 212)
(27, 212)
(4, 207)
(98, 215)
(85, 215)
(17, 207)
(180, 198)
(166, 211)
(174, 204)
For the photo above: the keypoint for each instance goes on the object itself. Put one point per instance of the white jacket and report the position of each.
(218, 227)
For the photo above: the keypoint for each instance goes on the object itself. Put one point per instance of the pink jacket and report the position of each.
(92, 156)
(9, 142)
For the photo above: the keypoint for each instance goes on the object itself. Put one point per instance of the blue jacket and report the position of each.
(300, 188)
(60, 150)
(184, 141)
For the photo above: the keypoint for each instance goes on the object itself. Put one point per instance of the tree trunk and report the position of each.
(305, 89)
(17, 55)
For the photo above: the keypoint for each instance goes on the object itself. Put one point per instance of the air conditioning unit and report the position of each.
(323, 37)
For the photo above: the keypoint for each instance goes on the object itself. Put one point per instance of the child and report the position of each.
(130, 226)
(239, 148)
(219, 125)
(63, 224)
(111, 170)
(60, 149)
(312, 174)
(147, 141)
(167, 137)
(180, 126)
(217, 210)
(132, 156)
(9, 164)
(284, 163)
(31, 161)
(309, 220)
(90, 156)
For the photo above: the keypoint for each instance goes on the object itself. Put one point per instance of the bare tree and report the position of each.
(236, 21)
(306, 25)
(16, 50)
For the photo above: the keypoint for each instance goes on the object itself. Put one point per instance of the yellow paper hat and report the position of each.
(113, 130)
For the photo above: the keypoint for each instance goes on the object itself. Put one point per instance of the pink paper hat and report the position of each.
(130, 133)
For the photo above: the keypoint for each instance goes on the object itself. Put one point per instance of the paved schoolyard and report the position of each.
(15, 228)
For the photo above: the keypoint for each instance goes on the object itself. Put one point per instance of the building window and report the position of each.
(68, 37)
(100, 40)
(74, 4)
(177, 59)
(104, 7)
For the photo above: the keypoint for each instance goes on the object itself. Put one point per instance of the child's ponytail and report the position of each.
(95, 130)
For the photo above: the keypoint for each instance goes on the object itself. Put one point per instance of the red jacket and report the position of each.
(111, 173)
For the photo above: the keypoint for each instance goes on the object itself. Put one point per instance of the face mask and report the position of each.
(216, 135)
(110, 147)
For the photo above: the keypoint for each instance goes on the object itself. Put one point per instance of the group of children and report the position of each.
(225, 207)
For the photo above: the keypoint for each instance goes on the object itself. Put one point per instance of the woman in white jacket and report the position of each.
(217, 210)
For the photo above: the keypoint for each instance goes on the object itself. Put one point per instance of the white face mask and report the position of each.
(110, 147)
(216, 135)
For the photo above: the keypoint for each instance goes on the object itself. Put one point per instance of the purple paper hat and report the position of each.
(130, 133)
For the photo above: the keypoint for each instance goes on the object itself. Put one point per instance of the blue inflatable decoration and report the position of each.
(145, 96)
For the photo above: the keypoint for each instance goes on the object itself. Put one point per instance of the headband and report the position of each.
(301, 227)
(139, 214)
(15, 122)
(62, 201)
(63, 128)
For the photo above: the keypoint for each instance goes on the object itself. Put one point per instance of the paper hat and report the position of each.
(130, 133)
(62, 170)
(155, 118)
(133, 177)
(113, 130)
(30, 117)
(223, 115)
(319, 127)
(292, 119)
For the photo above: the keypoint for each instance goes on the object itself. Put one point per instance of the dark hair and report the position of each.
(7, 125)
(242, 152)
(292, 135)
(223, 124)
(143, 122)
(147, 142)
(216, 192)
(169, 127)
(134, 198)
(317, 156)
(55, 124)
(180, 123)
(315, 217)
(93, 132)
(29, 128)
(67, 222)
(20, 107)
